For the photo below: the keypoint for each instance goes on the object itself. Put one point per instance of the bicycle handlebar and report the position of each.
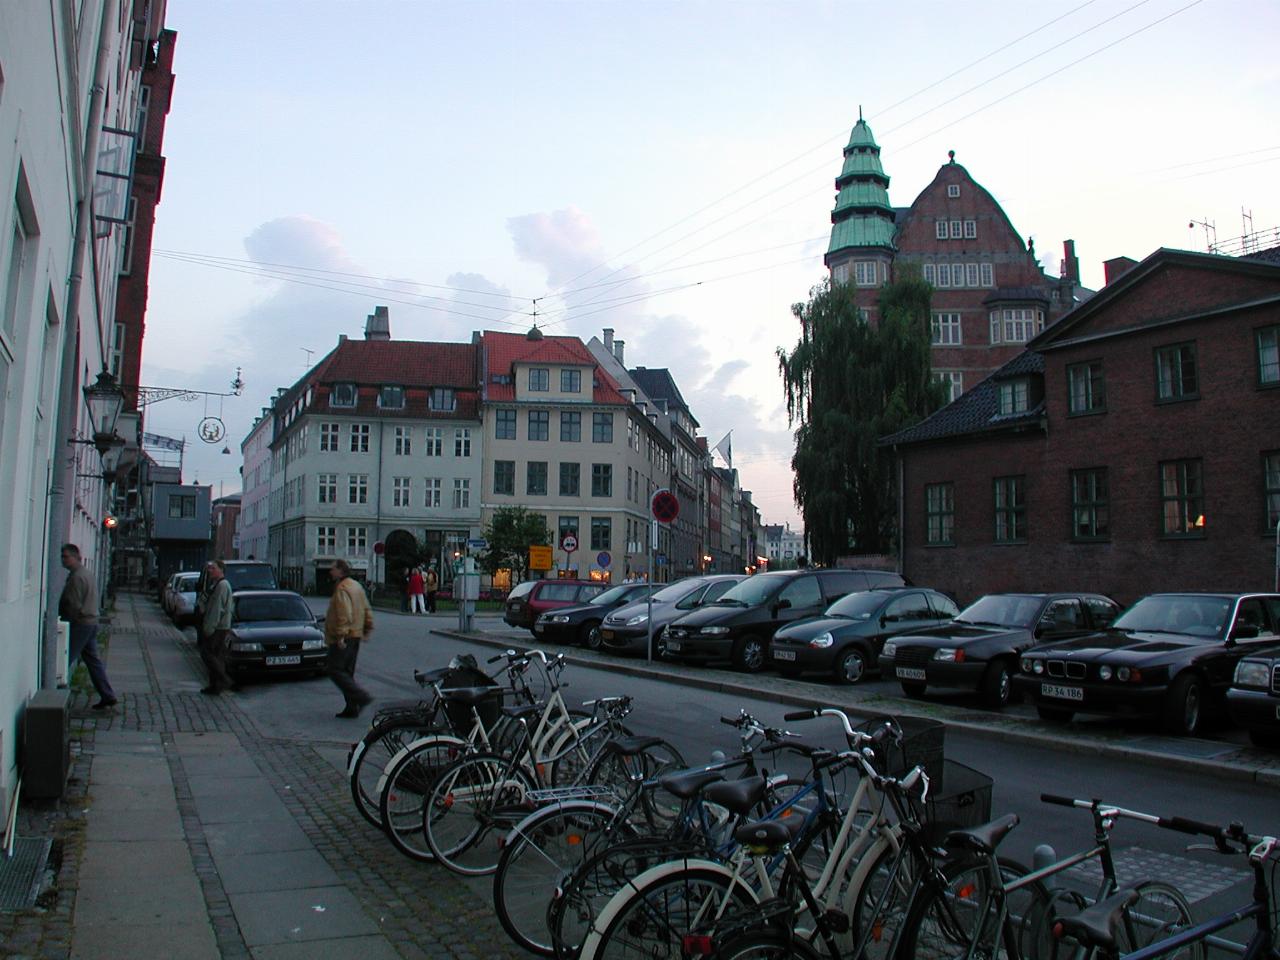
(1220, 835)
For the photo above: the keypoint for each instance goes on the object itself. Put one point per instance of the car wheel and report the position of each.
(1184, 706)
(914, 690)
(1264, 738)
(748, 655)
(997, 686)
(1055, 714)
(851, 665)
(589, 635)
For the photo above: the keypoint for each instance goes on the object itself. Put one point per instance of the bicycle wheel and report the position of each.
(1159, 912)
(765, 945)
(472, 805)
(403, 789)
(541, 853)
(371, 755)
(567, 750)
(623, 773)
(945, 921)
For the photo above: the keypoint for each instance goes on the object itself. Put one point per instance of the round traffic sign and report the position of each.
(602, 559)
(664, 506)
(379, 548)
(569, 543)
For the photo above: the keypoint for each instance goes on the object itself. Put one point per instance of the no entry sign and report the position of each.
(664, 506)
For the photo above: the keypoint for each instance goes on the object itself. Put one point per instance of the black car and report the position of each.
(626, 629)
(1170, 655)
(846, 640)
(739, 626)
(1253, 699)
(274, 631)
(979, 649)
(581, 624)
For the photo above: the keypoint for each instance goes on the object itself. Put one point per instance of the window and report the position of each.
(864, 273)
(940, 229)
(1011, 397)
(602, 480)
(539, 424)
(971, 229)
(359, 438)
(985, 275)
(602, 428)
(630, 486)
(400, 492)
(462, 442)
(803, 592)
(957, 230)
(1086, 390)
(970, 274)
(912, 608)
(391, 398)
(432, 487)
(566, 526)
(1015, 325)
(357, 540)
(130, 228)
(117, 350)
(953, 191)
(1090, 513)
(944, 275)
(1176, 372)
(1101, 612)
(601, 533)
(504, 477)
(1269, 356)
(946, 329)
(539, 379)
(536, 478)
(840, 273)
(939, 513)
(434, 442)
(1011, 509)
(570, 381)
(570, 479)
(928, 273)
(404, 441)
(957, 274)
(328, 438)
(570, 426)
(358, 488)
(1182, 498)
(442, 399)
(505, 425)
(461, 493)
(326, 540)
(326, 488)
(182, 506)
(343, 395)
(952, 381)
(1271, 489)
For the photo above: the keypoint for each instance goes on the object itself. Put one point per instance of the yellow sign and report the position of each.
(540, 558)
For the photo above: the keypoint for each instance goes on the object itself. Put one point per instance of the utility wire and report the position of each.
(1196, 163)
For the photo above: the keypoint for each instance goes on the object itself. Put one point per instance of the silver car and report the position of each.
(626, 629)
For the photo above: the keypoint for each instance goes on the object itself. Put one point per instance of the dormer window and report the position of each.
(442, 399)
(343, 395)
(570, 381)
(1012, 397)
(539, 380)
(391, 398)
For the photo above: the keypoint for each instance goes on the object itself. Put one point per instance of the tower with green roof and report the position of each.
(862, 224)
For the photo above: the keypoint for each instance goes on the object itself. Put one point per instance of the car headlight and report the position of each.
(1037, 666)
(1253, 673)
(637, 620)
(1104, 672)
(559, 618)
(950, 654)
(822, 641)
(248, 646)
(889, 651)
(714, 631)
(315, 643)
(1025, 664)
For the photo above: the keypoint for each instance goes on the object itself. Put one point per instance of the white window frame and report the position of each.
(403, 441)
(431, 494)
(946, 329)
(461, 493)
(970, 274)
(840, 273)
(326, 488)
(358, 488)
(957, 275)
(357, 541)
(360, 438)
(953, 191)
(986, 275)
(1013, 396)
(971, 229)
(953, 380)
(957, 229)
(928, 272)
(336, 398)
(401, 492)
(433, 442)
(327, 540)
(944, 275)
(462, 442)
(865, 273)
(940, 230)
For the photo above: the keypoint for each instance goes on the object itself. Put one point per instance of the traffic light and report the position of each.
(109, 523)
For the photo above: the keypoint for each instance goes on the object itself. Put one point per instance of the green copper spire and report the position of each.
(863, 216)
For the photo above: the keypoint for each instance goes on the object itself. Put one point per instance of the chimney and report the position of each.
(617, 351)
(608, 340)
(342, 338)
(378, 325)
(1117, 267)
(1070, 262)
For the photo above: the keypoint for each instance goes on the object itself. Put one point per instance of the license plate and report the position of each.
(784, 654)
(291, 661)
(539, 627)
(909, 673)
(1061, 692)
(673, 645)
(606, 634)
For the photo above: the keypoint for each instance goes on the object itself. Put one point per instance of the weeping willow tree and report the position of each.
(848, 384)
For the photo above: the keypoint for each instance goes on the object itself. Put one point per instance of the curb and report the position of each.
(1007, 732)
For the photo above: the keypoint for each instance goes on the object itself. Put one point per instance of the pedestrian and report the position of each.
(347, 621)
(433, 584)
(78, 605)
(215, 624)
(417, 587)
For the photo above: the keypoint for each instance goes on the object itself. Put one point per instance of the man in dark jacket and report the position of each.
(219, 611)
(78, 605)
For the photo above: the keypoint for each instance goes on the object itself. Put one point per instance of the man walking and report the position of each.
(78, 605)
(219, 611)
(347, 621)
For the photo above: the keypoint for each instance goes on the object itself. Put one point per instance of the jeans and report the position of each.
(84, 646)
(431, 601)
(213, 651)
(341, 664)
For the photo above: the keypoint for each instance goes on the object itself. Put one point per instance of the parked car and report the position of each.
(979, 649)
(1253, 699)
(581, 623)
(1170, 655)
(627, 629)
(528, 600)
(276, 632)
(182, 606)
(846, 640)
(169, 593)
(739, 625)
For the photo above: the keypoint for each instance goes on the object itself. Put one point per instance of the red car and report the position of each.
(528, 600)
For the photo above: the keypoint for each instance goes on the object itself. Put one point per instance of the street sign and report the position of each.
(664, 506)
(602, 559)
(660, 559)
(379, 548)
(540, 558)
(569, 543)
(477, 544)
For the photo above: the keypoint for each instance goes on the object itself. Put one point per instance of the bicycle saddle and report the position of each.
(630, 746)
(737, 796)
(769, 834)
(985, 838)
(685, 783)
(468, 696)
(431, 676)
(1097, 926)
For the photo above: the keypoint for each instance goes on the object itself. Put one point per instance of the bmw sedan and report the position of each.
(274, 631)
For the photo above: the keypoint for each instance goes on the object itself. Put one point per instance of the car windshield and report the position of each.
(1192, 616)
(521, 589)
(753, 591)
(188, 584)
(257, 577)
(260, 609)
(856, 606)
(676, 591)
(1002, 610)
(614, 594)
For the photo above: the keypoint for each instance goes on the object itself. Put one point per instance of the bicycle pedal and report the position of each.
(837, 921)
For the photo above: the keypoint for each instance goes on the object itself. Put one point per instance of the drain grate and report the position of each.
(20, 874)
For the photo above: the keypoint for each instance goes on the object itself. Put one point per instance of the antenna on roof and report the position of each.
(534, 333)
(308, 353)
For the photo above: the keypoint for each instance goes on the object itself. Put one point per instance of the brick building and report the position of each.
(224, 517)
(990, 294)
(1134, 447)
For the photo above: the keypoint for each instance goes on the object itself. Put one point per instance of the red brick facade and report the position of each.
(1224, 428)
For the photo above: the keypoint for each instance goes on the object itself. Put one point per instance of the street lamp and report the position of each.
(105, 401)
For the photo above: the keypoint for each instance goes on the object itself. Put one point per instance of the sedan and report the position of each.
(581, 624)
(627, 629)
(1254, 697)
(274, 631)
(1170, 655)
(846, 640)
(979, 649)
(183, 599)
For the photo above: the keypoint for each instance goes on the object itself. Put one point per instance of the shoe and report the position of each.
(350, 713)
(104, 704)
(211, 691)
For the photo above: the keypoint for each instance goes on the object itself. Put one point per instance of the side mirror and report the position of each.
(1245, 631)
(780, 605)
(319, 619)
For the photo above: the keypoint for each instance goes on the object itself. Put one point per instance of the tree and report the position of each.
(848, 384)
(510, 534)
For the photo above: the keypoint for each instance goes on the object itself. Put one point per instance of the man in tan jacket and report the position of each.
(348, 620)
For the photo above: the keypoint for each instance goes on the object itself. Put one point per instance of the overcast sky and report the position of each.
(662, 168)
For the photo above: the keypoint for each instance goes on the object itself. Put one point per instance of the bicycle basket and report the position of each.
(459, 714)
(923, 744)
(961, 799)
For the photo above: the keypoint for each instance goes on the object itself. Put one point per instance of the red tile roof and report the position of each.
(502, 351)
(410, 363)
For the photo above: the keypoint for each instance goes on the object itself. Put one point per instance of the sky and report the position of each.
(662, 168)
